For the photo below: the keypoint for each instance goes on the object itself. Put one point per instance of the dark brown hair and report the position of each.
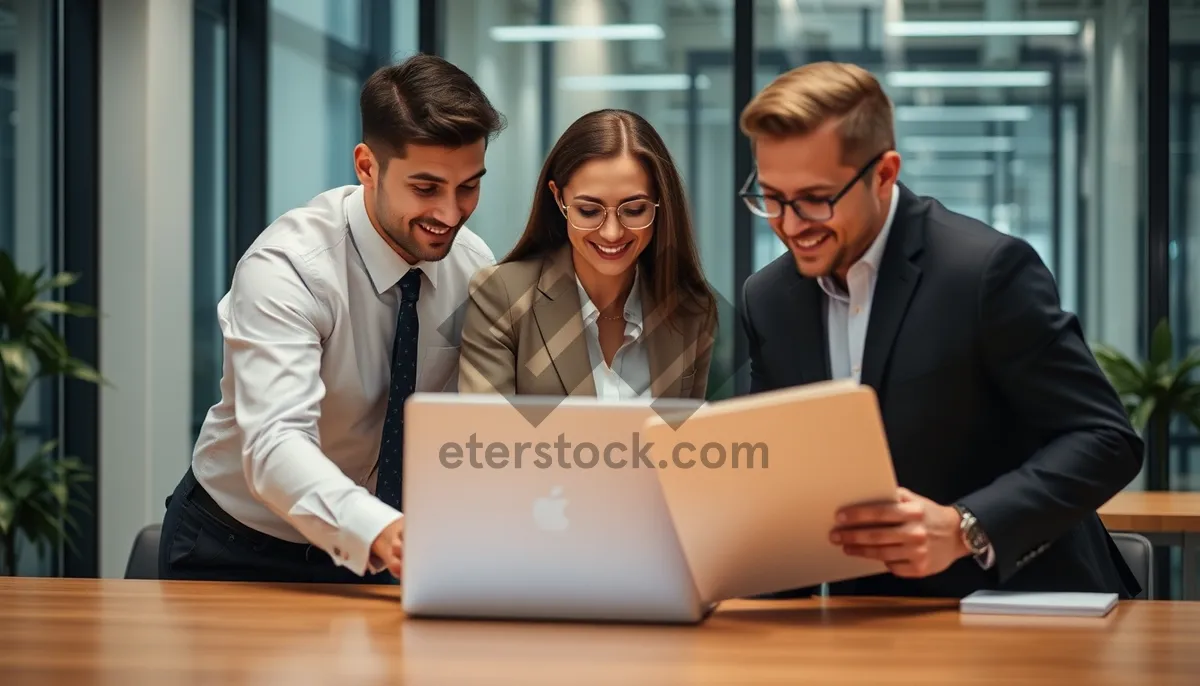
(670, 262)
(424, 100)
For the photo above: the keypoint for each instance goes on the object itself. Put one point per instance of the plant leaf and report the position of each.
(1182, 380)
(17, 358)
(1160, 344)
(43, 336)
(23, 486)
(8, 511)
(1141, 415)
(56, 307)
(8, 457)
(45, 450)
(1123, 373)
(24, 291)
(18, 361)
(83, 371)
(59, 490)
(41, 464)
(46, 525)
(39, 493)
(8, 276)
(60, 280)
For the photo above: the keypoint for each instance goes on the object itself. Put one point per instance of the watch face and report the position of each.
(977, 540)
(978, 543)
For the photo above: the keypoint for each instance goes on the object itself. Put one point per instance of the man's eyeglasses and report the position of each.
(634, 215)
(810, 209)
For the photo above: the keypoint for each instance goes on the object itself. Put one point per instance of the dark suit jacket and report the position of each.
(990, 397)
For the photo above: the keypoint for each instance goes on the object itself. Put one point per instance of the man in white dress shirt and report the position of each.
(337, 313)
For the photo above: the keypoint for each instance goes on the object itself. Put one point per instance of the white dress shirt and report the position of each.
(308, 323)
(848, 312)
(629, 376)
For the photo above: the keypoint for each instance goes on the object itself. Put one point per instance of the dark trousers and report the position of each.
(201, 542)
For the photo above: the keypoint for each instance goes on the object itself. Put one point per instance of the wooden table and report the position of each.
(1166, 518)
(86, 631)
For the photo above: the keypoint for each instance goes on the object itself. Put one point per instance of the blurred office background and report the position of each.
(144, 143)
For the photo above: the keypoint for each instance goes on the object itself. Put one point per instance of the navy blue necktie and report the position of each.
(404, 382)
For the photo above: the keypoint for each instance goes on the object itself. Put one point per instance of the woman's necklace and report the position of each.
(620, 315)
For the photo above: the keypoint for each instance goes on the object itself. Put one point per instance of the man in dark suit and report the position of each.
(1005, 435)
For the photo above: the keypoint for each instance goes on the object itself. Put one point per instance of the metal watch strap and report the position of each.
(976, 539)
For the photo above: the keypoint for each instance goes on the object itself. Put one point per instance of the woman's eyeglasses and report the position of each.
(634, 215)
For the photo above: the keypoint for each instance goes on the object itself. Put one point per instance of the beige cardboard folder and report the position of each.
(753, 485)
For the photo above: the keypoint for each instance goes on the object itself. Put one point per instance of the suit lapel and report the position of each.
(557, 312)
(810, 332)
(894, 288)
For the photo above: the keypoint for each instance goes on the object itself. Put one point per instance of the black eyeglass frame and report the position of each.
(748, 197)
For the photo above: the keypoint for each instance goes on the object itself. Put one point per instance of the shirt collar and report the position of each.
(384, 266)
(633, 304)
(874, 254)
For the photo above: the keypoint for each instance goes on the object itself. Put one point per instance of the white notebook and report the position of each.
(1022, 603)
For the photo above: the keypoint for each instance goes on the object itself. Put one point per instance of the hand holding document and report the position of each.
(914, 536)
(753, 485)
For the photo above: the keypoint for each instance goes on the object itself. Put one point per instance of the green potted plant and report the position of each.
(38, 491)
(1154, 392)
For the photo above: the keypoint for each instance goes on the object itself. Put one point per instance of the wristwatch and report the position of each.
(973, 535)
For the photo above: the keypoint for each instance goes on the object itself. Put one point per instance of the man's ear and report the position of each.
(889, 168)
(366, 166)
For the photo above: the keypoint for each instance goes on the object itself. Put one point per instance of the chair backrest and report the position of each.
(1139, 555)
(143, 559)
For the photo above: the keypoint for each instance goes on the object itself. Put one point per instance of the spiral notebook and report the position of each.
(1024, 603)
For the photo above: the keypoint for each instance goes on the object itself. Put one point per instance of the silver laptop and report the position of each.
(540, 508)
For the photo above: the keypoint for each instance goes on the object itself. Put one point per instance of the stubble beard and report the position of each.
(403, 233)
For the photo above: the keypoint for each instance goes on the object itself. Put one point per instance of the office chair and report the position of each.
(1139, 555)
(143, 559)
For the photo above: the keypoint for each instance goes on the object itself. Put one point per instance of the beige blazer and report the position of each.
(523, 335)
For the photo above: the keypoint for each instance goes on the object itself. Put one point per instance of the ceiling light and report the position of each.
(956, 169)
(964, 113)
(632, 82)
(918, 144)
(545, 33)
(927, 29)
(967, 79)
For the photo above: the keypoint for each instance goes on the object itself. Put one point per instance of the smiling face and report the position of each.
(420, 201)
(809, 169)
(612, 250)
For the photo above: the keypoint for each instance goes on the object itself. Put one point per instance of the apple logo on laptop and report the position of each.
(549, 511)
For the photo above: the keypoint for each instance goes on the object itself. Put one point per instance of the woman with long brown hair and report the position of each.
(603, 294)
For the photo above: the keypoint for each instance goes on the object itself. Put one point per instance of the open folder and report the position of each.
(753, 485)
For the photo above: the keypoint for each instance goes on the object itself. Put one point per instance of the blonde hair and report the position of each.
(804, 99)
